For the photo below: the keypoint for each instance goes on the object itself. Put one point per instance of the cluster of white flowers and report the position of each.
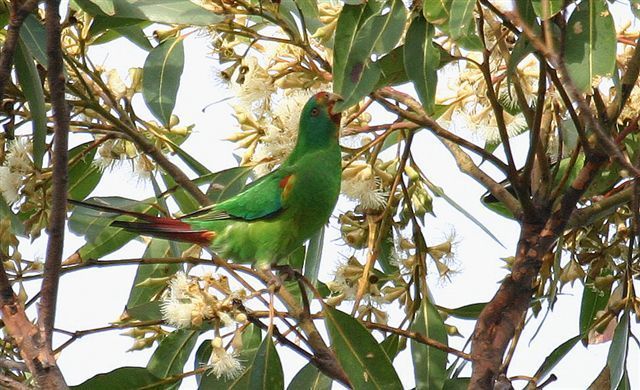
(465, 94)
(188, 303)
(16, 167)
(359, 183)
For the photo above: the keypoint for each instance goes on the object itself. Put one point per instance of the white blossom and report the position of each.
(224, 363)
(10, 183)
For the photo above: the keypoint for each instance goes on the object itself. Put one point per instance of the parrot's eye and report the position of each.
(315, 112)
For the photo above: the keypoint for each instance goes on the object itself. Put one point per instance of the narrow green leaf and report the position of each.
(367, 366)
(437, 11)
(313, 256)
(590, 48)
(150, 311)
(617, 357)
(143, 294)
(363, 31)
(439, 192)
(34, 36)
(17, 226)
(130, 378)
(185, 201)
(160, 11)
(461, 17)
(203, 355)
(31, 86)
(94, 225)
(556, 356)
(310, 14)
(593, 300)
(429, 364)
(228, 183)
(84, 175)
(309, 377)
(467, 312)
(161, 78)
(266, 369)
(392, 346)
(547, 8)
(635, 7)
(251, 340)
(421, 61)
(172, 353)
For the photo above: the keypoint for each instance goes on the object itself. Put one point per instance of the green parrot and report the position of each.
(278, 212)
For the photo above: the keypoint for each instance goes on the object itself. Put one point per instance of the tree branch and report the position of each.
(499, 319)
(19, 11)
(57, 215)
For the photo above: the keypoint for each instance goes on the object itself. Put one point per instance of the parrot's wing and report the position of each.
(264, 198)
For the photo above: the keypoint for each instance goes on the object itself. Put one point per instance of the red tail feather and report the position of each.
(171, 229)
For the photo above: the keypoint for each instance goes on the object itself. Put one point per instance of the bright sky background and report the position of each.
(96, 297)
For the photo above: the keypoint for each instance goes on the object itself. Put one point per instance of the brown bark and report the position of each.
(497, 322)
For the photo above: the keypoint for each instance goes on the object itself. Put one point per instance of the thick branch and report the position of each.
(499, 319)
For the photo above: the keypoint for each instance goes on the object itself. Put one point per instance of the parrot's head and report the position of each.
(321, 105)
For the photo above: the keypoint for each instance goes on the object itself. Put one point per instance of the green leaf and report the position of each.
(130, 378)
(392, 68)
(593, 300)
(617, 357)
(149, 311)
(556, 356)
(159, 11)
(17, 226)
(309, 377)
(84, 175)
(251, 340)
(203, 355)
(143, 294)
(367, 366)
(392, 346)
(31, 86)
(540, 6)
(228, 183)
(313, 256)
(161, 78)
(437, 11)
(590, 48)
(421, 61)
(266, 369)
(310, 14)
(185, 201)
(635, 7)
(172, 353)
(363, 31)
(34, 36)
(429, 364)
(439, 192)
(94, 225)
(461, 17)
(467, 312)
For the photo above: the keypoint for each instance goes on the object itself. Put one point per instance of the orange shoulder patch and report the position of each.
(286, 183)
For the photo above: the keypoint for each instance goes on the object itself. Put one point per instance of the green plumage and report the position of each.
(278, 212)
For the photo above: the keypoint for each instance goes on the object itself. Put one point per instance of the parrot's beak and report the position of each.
(332, 100)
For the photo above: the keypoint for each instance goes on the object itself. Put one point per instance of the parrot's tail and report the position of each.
(161, 227)
(169, 228)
